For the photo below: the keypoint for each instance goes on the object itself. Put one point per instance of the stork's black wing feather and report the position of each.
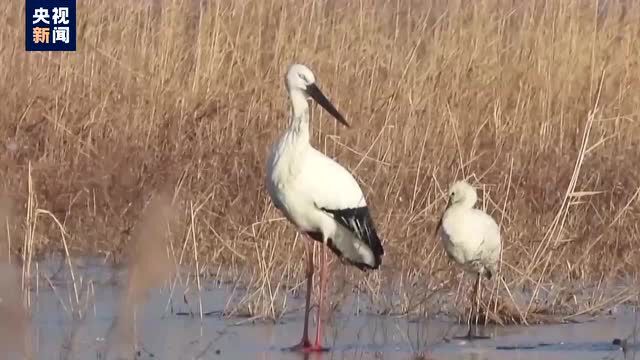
(359, 221)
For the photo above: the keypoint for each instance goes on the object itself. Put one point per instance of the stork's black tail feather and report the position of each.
(359, 222)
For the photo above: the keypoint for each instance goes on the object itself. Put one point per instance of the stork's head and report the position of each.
(301, 79)
(462, 194)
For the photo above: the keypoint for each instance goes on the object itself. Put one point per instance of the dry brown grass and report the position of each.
(513, 94)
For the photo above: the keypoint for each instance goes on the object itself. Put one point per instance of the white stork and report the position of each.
(317, 195)
(471, 238)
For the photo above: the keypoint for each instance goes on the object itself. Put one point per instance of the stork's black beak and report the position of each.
(319, 97)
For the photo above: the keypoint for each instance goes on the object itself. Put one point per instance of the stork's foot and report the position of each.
(306, 347)
(301, 346)
(317, 347)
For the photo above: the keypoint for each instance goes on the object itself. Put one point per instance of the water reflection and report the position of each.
(176, 334)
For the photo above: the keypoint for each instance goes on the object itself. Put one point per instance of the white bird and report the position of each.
(318, 195)
(470, 237)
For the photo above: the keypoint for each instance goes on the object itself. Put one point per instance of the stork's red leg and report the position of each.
(323, 283)
(304, 344)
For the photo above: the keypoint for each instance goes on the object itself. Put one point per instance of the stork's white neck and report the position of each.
(299, 123)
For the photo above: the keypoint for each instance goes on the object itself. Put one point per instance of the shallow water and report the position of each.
(174, 334)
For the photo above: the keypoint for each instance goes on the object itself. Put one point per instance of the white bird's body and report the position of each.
(315, 193)
(476, 244)
(470, 237)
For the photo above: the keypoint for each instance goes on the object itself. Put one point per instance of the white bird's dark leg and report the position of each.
(323, 283)
(474, 307)
(478, 297)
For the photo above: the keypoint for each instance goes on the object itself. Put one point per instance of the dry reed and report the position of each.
(537, 101)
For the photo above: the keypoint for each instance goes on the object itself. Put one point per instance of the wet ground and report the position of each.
(167, 330)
